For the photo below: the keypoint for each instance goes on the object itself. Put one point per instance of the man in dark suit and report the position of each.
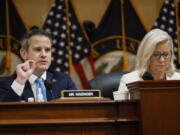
(36, 53)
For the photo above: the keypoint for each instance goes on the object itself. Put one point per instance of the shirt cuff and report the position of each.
(17, 88)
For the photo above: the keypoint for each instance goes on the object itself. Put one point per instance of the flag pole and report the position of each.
(177, 28)
(8, 52)
(68, 37)
(125, 63)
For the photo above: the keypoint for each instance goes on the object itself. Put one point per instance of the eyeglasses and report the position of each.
(157, 55)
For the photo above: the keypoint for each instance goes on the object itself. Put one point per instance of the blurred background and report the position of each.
(34, 12)
(104, 35)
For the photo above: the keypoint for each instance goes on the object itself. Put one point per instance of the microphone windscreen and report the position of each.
(147, 76)
(48, 84)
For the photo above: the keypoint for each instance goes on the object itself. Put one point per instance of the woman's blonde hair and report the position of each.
(147, 47)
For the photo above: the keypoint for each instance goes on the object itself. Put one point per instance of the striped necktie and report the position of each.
(40, 90)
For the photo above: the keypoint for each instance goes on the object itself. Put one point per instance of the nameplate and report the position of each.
(80, 93)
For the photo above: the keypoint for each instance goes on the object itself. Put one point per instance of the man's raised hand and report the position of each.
(24, 71)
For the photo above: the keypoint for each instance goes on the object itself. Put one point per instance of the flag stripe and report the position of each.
(76, 79)
(90, 59)
(87, 68)
(82, 76)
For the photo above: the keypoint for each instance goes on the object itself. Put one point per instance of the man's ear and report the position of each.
(23, 54)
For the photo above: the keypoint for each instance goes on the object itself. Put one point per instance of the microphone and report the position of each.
(147, 76)
(48, 84)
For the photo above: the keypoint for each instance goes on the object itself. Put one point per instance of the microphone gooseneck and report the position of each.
(48, 84)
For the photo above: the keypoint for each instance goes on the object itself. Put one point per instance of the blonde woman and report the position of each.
(155, 58)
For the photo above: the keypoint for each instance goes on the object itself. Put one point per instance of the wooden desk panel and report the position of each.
(128, 117)
(159, 106)
(87, 117)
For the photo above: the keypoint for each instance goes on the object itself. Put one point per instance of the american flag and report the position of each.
(69, 42)
(167, 22)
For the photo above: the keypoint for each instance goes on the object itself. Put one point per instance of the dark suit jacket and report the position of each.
(61, 81)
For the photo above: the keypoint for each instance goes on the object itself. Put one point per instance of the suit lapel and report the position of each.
(49, 93)
(49, 75)
(27, 91)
